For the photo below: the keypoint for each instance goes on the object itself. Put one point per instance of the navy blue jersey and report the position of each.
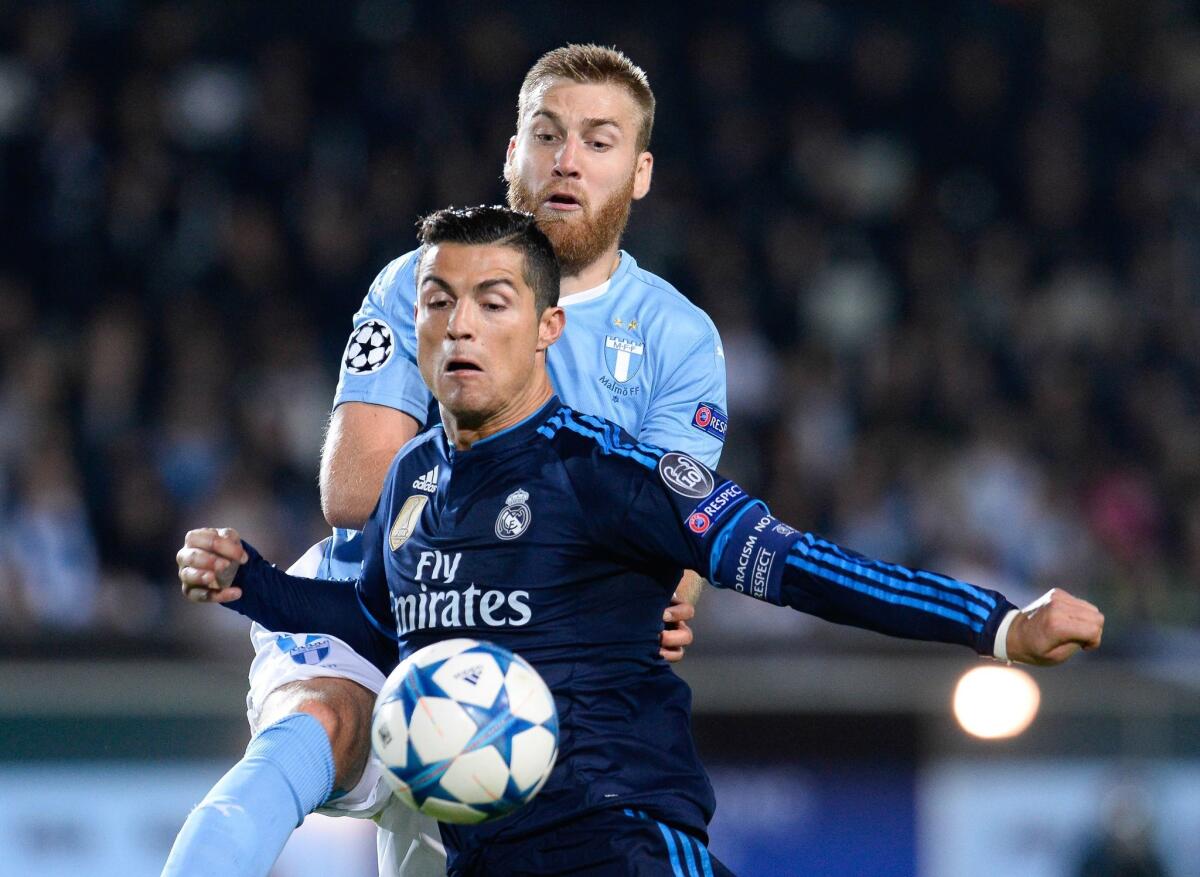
(562, 538)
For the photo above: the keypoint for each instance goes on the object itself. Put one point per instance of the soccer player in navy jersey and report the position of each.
(560, 536)
(636, 352)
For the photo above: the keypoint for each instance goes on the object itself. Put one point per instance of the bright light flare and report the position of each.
(996, 702)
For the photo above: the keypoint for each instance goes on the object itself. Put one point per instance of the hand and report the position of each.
(1053, 628)
(676, 635)
(208, 561)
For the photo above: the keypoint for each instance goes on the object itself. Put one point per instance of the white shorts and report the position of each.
(408, 842)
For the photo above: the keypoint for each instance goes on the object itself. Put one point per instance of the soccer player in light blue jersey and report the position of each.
(635, 352)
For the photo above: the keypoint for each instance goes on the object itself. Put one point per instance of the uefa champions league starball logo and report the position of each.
(515, 517)
(369, 348)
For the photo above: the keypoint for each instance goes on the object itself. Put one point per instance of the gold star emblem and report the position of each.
(617, 322)
(632, 325)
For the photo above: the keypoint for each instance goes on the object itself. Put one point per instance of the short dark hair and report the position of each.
(589, 63)
(504, 227)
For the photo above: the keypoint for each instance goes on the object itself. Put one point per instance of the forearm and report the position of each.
(774, 562)
(282, 602)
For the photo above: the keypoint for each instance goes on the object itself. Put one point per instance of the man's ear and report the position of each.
(508, 158)
(642, 172)
(550, 327)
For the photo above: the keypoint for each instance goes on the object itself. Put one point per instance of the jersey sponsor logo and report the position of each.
(685, 476)
(710, 419)
(429, 481)
(515, 517)
(466, 607)
(313, 650)
(699, 522)
(370, 347)
(623, 357)
(406, 521)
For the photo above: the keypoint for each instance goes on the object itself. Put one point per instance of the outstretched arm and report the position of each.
(216, 566)
(676, 509)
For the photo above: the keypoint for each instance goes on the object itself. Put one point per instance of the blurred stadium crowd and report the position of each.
(954, 254)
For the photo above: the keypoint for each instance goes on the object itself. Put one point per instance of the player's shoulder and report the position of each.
(663, 308)
(422, 450)
(596, 451)
(397, 280)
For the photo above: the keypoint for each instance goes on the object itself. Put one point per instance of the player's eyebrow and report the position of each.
(588, 123)
(437, 281)
(496, 281)
(599, 122)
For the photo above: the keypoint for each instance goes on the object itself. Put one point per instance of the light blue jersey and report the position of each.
(634, 351)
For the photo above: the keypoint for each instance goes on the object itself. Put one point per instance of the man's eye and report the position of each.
(600, 145)
(542, 137)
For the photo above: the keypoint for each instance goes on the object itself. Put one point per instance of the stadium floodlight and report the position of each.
(996, 702)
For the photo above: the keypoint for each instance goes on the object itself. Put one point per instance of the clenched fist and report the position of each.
(208, 561)
(1053, 628)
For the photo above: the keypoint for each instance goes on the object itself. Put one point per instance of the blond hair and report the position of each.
(589, 63)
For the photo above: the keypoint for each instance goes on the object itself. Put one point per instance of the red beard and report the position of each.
(577, 242)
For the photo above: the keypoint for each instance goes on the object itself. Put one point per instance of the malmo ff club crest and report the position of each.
(515, 517)
(623, 356)
(313, 650)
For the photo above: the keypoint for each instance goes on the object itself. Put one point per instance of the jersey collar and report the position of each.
(624, 266)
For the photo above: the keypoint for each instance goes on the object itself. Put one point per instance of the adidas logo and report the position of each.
(428, 481)
(471, 675)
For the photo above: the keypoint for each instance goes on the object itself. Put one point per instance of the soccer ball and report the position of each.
(465, 730)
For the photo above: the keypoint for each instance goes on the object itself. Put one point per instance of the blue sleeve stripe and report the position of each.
(605, 438)
(862, 572)
(687, 853)
(670, 842)
(867, 572)
(704, 859)
(880, 594)
(612, 432)
(988, 601)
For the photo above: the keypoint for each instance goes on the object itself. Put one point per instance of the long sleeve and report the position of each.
(767, 559)
(668, 508)
(339, 608)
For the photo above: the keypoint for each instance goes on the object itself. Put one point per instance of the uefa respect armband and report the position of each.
(754, 553)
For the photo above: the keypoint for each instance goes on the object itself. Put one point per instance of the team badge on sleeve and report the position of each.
(370, 347)
(710, 419)
(515, 517)
(685, 476)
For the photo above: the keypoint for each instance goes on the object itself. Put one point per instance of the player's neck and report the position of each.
(593, 274)
(526, 403)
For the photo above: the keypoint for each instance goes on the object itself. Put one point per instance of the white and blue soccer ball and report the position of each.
(465, 730)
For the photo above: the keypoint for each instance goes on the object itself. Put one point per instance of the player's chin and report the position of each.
(468, 403)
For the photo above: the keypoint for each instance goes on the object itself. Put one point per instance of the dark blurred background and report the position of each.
(953, 250)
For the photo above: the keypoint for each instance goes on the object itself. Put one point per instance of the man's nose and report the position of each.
(462, 320)
(566, 161)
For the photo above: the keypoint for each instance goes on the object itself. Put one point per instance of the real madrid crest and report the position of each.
(515, 517)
